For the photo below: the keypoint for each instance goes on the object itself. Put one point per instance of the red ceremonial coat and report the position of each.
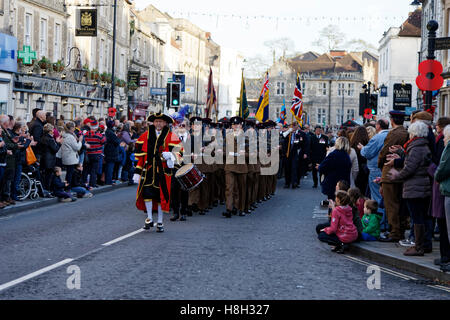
(152, 167)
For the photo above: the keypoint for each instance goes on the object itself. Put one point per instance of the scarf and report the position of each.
(405, 147)
(439, 137)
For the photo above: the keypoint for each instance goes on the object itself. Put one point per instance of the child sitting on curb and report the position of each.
(340, 186)
(371, 221)
(342, 230)
(58, 187)
(77, 186)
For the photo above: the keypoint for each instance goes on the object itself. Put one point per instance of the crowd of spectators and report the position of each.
(68, 158)
(382, 179)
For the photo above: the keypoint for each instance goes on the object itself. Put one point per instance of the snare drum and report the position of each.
(189, 177)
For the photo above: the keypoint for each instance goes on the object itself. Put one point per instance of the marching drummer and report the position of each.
(179, 197)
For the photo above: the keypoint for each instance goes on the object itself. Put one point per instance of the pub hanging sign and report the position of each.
(86, 23)
(402, 96)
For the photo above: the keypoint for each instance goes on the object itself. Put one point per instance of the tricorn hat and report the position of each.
(161, 116)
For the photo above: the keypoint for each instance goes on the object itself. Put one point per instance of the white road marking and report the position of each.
(61, 263)
(320, 213)
(122, 238)
(395, 273)
(34, 274)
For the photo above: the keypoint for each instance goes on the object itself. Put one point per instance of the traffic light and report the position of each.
(363, 103)
(175, 95)
(373, 103)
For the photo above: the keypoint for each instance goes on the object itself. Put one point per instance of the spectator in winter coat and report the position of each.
(37, 131)
(49, 148)
(111, 152)
(342, 230)
(438, 199)
(336, 167)
(23, 143)
(442, 176)
(94, 152)
(69, 149)
(392, 190)
(416, 184)
(3, 151)
(371, 152)
(12, 147)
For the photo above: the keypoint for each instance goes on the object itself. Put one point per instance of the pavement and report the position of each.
(272, 253)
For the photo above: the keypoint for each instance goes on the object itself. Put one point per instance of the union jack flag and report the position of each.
(297, 102)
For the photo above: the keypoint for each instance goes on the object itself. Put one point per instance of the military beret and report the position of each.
(236, 120)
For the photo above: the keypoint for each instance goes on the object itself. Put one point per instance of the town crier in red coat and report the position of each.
(157, 151)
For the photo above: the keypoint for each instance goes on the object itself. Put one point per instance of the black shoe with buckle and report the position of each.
(148, 224)
(227, 214)
(159, 227)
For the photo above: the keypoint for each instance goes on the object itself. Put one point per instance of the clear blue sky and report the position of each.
(248, 34)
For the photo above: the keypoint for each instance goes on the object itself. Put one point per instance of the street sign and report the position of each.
(134, 76)
(143, 81)
(181, 78)
(86, 23)
(409, 110)
(442, 43)
(158, 91)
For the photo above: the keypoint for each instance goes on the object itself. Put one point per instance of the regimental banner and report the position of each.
(86, 23)
(134, 76)
(402, 96)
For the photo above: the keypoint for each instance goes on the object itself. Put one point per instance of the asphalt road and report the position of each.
(271, 254)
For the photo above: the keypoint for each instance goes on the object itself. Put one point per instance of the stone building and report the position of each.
(399, 61)
(331, 84)
(147, 58)
(438, 10)
(41, 26)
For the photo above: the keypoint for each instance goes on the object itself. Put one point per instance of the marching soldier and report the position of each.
(252, 168)
(236, 169)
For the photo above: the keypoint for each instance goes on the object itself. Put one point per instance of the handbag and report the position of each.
(31, 157)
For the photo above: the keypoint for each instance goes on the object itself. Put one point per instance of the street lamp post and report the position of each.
(113, 55)
(198, 75)
(432, 26)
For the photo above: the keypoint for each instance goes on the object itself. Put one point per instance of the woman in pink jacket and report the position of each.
(342, 230)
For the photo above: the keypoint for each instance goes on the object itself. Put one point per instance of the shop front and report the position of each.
(8, 66)
(60, 97)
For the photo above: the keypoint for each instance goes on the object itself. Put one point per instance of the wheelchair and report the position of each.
(29, 186)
